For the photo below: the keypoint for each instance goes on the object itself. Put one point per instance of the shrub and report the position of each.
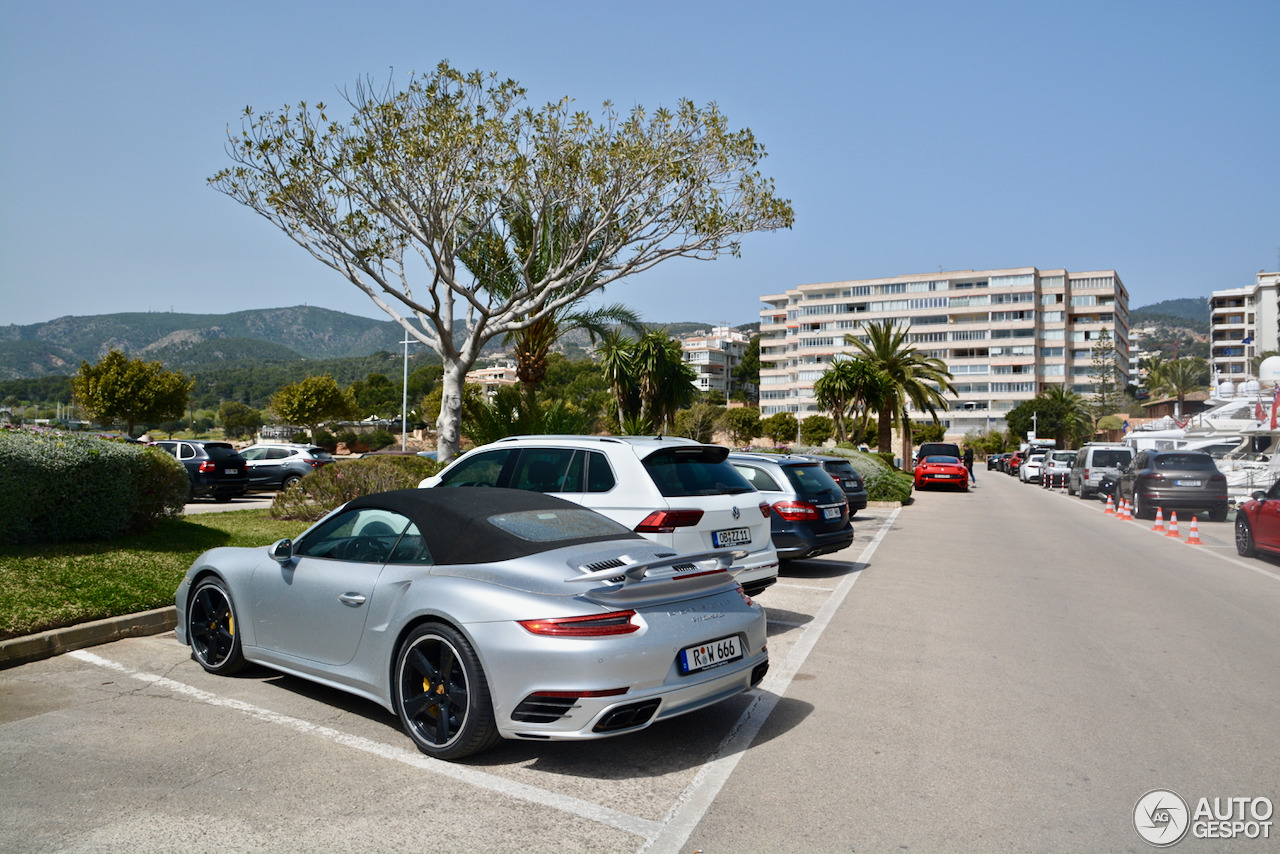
(889, 486)
(56, 487)
(337, 483)
(378, 439)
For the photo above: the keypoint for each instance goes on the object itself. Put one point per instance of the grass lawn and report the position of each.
(50, 586)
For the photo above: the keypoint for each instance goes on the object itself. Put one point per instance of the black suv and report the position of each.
(215, 469)
(809, 513)
(843, 473)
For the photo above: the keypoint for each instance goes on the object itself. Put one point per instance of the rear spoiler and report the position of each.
(655, 579)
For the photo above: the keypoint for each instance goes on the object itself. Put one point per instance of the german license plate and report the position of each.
(831, 513)
(1189, 482)
(731, 537)
(231, 471)
(710, 654)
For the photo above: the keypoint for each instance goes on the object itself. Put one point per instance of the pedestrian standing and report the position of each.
(968, 463)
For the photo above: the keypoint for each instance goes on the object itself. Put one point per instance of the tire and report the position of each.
(211, 628)
(1245, 545)
(290, 481)
(1218, 514)
(1141, 509)
(441, 695)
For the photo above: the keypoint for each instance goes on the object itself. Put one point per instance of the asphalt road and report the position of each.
(1006, 669)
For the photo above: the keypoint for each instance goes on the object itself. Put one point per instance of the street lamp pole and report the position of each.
(404, 398)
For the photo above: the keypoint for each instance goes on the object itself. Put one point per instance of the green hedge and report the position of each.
(56, 487)
(337, 483)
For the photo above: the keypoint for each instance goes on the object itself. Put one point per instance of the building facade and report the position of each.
(1005, 335)
(1243, 322)
(714, 357)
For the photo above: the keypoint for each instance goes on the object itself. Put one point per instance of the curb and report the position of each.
(24, 650)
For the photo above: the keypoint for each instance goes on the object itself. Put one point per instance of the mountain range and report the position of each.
(188, 342)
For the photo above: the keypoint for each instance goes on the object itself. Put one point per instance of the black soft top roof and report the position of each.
(457, 527)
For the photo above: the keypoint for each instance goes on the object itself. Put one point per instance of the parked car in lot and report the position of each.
(674, 491)
(279, 465)
(1012, 464)
(1258, 523)
(481, 614)
(941, 470)
(1094, 461)
(1173, 480)
(1057, 467)
(1029, 471)
(215, 469)
(995, 461)
(844, 474)
(936, 449)
(809, 515)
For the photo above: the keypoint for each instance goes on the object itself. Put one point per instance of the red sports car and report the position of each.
(1258, 523)
(942, 471)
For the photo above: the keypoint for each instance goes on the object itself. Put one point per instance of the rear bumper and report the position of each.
(795, 544)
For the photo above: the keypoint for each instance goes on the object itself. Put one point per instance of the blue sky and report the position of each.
(911, 137)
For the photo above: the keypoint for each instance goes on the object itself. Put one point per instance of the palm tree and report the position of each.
(521, 248)
(905, 377)
(1069, 412)
(649, 378)
(848, 386)
(1180, 377)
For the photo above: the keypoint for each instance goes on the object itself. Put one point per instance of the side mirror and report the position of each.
(1259, 495)
(281, 551)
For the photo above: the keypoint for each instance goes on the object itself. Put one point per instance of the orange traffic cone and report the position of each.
(1111, 508)
(1125, 514)
(1159, 521)
(1173, 525)
(1194, 539)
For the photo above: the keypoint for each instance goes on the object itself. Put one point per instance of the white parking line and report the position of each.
(698, 796)
(642, 827)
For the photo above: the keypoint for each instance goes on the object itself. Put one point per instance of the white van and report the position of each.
(1094, 461)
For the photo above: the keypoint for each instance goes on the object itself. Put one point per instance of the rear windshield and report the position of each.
(941, 460)
(841, 468)
(810, 481)
(549, 526)
(695, 471)
(220, 451)
(320, 454)
(1111, 459)
(1064, 456)
(1184, 461)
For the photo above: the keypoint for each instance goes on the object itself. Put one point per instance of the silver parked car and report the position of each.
(481, 614)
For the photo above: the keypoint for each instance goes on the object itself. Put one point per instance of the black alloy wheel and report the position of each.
(441, 694)
(211, 628)
(1245, 545)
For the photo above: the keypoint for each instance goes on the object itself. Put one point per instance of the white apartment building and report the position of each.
(714, 356)
(1004, 335)
(1243, 322)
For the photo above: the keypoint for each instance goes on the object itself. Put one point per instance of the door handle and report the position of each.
(353, 599)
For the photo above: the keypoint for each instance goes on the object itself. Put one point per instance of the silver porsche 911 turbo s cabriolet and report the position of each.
(477, 615)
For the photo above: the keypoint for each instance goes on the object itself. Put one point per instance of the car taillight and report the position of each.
(596, 625)
(796, 511)
(666, 521)
(208, 467)
(764, 509)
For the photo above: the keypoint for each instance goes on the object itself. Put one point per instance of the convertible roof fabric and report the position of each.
(456, 525)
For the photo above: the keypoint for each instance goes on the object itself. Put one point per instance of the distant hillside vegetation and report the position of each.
(1189, 313)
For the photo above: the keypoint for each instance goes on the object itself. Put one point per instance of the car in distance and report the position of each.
(279, 465)
(1029, 471)
(809, 514)
(941, 470)
(1258, 523)
(844, 474)
(1057, 467)
(675, 491)
(994, 461)
(215, 469)
(930, 449)
(477, 615)
(1094, 461)
(1173, 480)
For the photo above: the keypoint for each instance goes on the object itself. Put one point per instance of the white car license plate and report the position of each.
(731, 537)
(231, 471)
(1189, 482)
(710, 654)
(831, 513)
